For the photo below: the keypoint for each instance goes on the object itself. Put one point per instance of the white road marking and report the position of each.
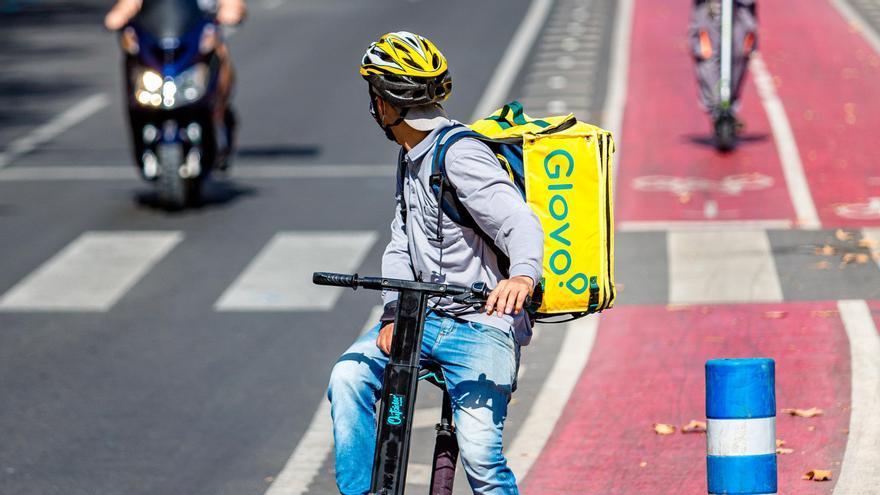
(280, 277)
(314, 446)
(873, 235)
(551, 400)
(789, 156)
(513, 58)
(615, 95)
(91, 273)
(418, 474)
(855, 20)
(700, 225)
(93, 172)
(50, 130)
(721, 267)
(861, 460)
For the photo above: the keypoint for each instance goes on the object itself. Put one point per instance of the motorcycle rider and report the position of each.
(226, 12)
(408, 78)
(705, 38)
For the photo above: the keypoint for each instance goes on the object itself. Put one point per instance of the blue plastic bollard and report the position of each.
(741, 426)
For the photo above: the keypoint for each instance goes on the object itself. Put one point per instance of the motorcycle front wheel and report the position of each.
(175, 192)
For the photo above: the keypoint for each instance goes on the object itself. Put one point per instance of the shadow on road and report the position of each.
(709, 141)
(278, 151)
(215, 193)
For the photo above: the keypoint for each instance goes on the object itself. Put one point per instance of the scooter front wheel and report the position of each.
(725, 132)
(175, 192)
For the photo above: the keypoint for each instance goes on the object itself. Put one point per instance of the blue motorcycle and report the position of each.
(181, 123)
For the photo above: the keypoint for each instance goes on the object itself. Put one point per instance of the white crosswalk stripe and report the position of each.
(280, 277)
(91, 273)
(721, 267)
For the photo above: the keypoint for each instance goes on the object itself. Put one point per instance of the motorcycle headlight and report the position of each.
(151, 90)
(192, 83)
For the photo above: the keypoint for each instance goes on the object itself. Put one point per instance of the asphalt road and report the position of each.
(161, 393)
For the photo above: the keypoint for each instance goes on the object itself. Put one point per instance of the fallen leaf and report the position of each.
(694, 427)
(867, 243)
(843, 235)
(803, 413)
(684, 198)
(826, 250)
(269, 479)
(862, 258)
(780, 443)
(823, 313)
(775, 315)
(715, 339)
(677, 307)
(783, 451)
(643, 464)
(822, 265)
(817, 475)
(811, 428)
(664, 429)
(848, 258)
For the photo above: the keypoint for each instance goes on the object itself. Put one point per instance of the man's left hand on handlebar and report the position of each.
(510, 295)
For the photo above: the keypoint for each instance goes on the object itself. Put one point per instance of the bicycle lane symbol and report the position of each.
(684, 187)
(869, 210)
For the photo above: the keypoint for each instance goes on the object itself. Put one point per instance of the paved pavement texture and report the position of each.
(143, 351)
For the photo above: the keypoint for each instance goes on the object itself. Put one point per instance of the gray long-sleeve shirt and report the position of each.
(463, 257)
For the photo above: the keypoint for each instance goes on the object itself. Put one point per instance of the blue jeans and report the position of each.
(479, 364)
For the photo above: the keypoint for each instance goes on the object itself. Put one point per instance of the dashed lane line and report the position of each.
(50, 130)
(91, 273)
(513, 58)
(721, 267)
(110, 173)
(279, 278)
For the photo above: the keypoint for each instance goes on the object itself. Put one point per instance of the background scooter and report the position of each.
(181, 128)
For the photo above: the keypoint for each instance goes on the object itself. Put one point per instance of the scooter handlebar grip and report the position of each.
(335, 279)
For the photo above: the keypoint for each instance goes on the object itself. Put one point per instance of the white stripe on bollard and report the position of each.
(728, 437)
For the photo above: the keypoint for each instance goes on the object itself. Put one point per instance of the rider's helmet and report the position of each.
(406, 70)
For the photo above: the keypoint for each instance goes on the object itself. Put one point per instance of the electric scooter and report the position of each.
(402, 375)
(726, 124)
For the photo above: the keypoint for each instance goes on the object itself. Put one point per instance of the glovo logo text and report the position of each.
(559, 166)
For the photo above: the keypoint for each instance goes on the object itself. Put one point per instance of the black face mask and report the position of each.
(385, 127)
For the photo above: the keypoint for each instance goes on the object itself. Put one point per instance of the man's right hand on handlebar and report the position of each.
(383, 342)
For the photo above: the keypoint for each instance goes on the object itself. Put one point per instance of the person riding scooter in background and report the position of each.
(179, 82)
(227, 12)
(720, 96)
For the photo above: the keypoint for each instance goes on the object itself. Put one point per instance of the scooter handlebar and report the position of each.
(335, 279)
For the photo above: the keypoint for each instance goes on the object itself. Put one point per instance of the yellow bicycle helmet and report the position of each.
(406, 70)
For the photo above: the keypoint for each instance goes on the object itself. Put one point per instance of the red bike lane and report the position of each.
(827, 77)
(669, 168)
(647, 366)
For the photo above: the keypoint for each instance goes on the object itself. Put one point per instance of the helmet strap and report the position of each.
(380, 120)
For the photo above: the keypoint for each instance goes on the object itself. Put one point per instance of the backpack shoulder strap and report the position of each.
(444, 189)
(401, 176)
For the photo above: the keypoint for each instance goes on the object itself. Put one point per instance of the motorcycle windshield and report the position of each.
(169, 18)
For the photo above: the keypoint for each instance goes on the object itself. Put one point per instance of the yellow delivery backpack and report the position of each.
(563, 169)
